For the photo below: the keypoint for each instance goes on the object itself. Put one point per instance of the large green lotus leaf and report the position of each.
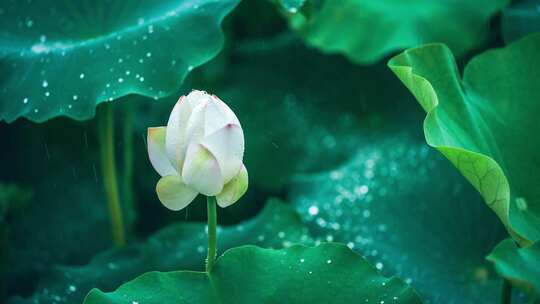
(520, 19)
(519, 265)
(481, 123)
(328, 273)
(63, 58)
(404, 208)
(366, 31)
(179, 246)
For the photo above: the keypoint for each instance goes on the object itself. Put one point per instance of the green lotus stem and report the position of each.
(212, 234)
(506, 296)
(108, 168)
(127, 180)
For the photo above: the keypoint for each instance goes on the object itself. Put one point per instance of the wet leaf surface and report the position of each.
(401, 205)
(328, 273)
(62, 58)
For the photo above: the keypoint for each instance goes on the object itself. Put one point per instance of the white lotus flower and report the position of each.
(200, 151)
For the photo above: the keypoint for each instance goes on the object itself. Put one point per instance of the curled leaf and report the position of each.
(481, 123)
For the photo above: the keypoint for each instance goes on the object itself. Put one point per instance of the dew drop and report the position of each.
(366, 213)
(361, 190)
(521, 203)
(81, 76)
(336, 175)
(45, 84)
(313, 210)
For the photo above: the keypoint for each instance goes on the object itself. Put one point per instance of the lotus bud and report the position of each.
(200, 150)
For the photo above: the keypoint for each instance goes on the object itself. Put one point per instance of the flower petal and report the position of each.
(196, 97)
(195, 124)
(234, 189)
(201, 170)
(230, 114)
(227, 145)
(174, 194)
(156, 151)
(216, 117)
(175, 139)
